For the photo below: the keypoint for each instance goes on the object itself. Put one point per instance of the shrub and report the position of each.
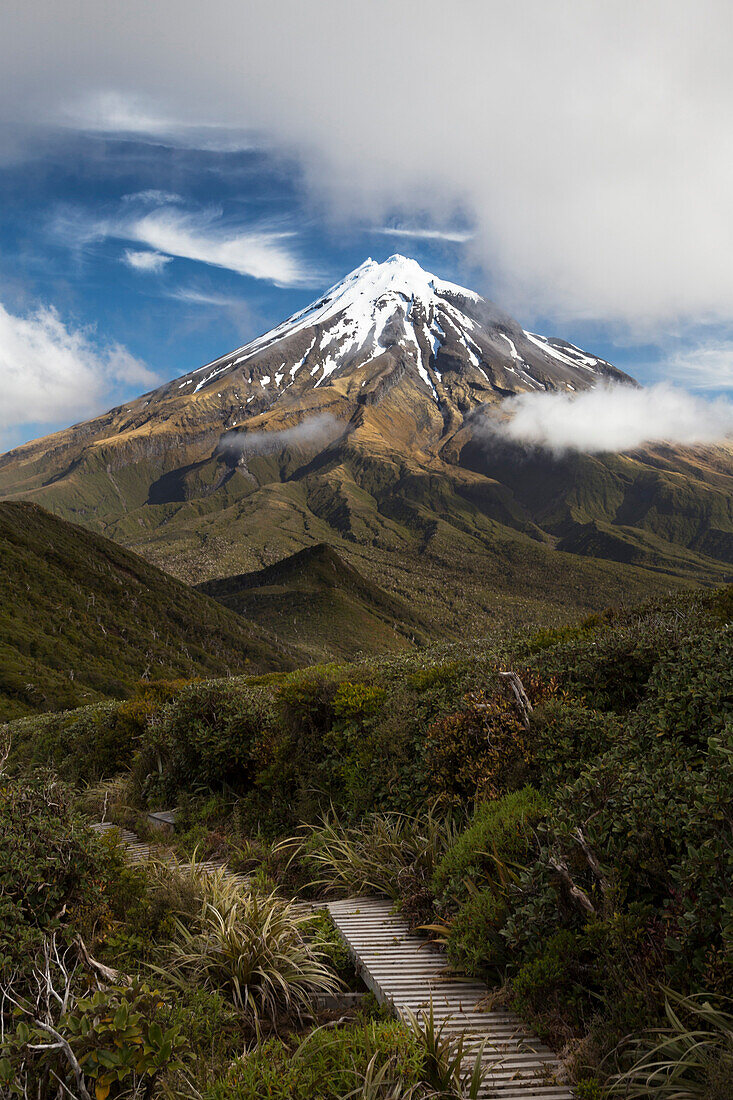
(52, 868)
(565, 736)
(255, 951)
(327, 1064)
(210, 736)
(499, 837)
(483, 750)
(474, 942)
(116, 1041)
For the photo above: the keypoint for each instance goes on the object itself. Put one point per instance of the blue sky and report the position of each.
(172, 186)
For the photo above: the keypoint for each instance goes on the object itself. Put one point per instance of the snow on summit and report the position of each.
(459, 349)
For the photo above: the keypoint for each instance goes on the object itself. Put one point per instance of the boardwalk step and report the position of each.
(404, 970)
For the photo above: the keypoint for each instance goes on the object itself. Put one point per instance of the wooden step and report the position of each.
(405, 970)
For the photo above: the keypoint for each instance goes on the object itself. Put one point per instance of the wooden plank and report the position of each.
(404, 970)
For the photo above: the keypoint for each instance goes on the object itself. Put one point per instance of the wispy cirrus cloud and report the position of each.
(152, 196)
(454, 236)
(111, 112)
(51, 371)
(707, 365)
(151, 262)
(205, 236)
(261, 253)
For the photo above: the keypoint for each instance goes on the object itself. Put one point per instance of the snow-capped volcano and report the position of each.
(459, 346)
(365, 421)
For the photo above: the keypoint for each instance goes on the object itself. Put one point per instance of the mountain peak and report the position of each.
(458, 347)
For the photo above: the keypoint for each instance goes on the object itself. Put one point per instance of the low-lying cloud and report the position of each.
(610, 418)
(51, 372)
(314, 431)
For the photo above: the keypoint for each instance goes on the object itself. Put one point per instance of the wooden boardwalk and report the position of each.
(407, 972)
(138, 851)
(404, 970)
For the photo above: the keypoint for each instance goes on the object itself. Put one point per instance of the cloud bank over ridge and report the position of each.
(609, 418)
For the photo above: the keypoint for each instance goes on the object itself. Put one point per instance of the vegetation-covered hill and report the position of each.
(576, 853)
(316, 601)
(82, 619)
(385, 447)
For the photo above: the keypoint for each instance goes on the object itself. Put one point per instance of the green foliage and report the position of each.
(211, 735)
(254, 950)
(354, 701)
(323, 932)
(565, 736)
(94, 742)
(484, 749)
(51, 865)
(392, 854)
(609, 873)
(499, 838)
(690, 1056)
(475, 943)
(443, 1058)
(118, 1036)
(330, 1065)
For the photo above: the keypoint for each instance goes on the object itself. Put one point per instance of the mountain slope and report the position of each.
(316, 601)
(82, 619)
(360, 422)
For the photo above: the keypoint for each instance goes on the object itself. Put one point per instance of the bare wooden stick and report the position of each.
(595, 867)
(523, 703)
(61, 1044)
(576, 892)
(99, 968)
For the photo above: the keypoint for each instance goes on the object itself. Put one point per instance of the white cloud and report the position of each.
(589, 144)
(145, 261)
(315, 430)
(152, 196)
(455, 236)
(133, 115)
(197, 297)
(610, 418)
(705, 366)
(261, 253)
(51, 372)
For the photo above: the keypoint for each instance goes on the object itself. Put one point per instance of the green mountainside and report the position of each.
(81, 619)
(572, 853)
(315, 600)
(383, 441)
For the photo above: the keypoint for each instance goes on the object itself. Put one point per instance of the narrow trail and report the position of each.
(138, 851)
(407, 972)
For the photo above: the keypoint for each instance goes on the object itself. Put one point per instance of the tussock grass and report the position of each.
(252, 948)
(689, 1058)
(383, 853)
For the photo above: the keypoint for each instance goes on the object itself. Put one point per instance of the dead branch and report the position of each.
(61, 1044)
(523, 704)
(105, 972)
(595, 867)
(576, 892)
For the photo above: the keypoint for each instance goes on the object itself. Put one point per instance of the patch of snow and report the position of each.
(570, 361)
(361, 305)
(296, 366)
